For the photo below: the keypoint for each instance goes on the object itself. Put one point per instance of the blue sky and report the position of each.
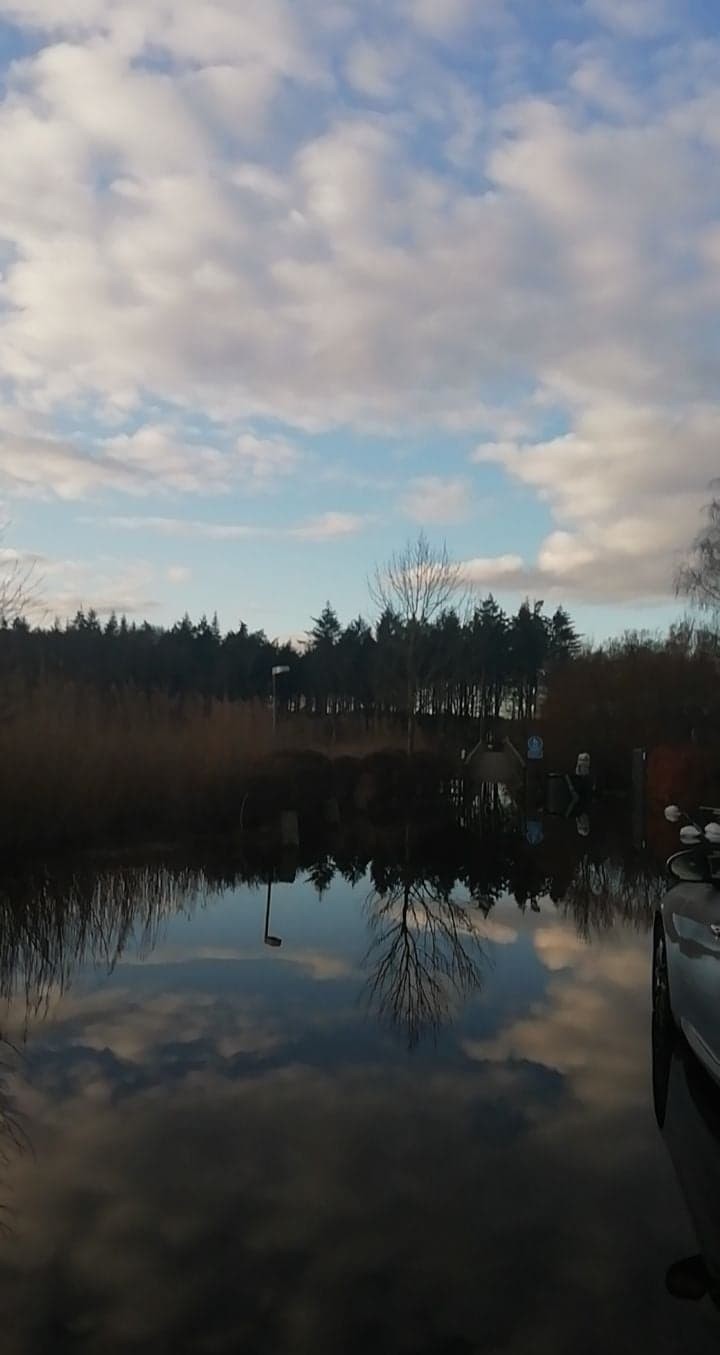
(281, 284)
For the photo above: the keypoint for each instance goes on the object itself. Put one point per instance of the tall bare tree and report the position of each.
(416, 584)
(19, 586)
(699, 575)
(19, 593)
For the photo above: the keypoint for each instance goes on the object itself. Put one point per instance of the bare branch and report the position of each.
(416, 585)
(698, 578)
(20, 584)
(418, 582)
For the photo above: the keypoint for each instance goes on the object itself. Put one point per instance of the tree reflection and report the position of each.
(50, 925)
(425, 956)
(13, 1135)
(603, 892)
(322, 873)
(425, 947)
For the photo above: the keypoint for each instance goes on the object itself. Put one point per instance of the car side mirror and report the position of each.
(692, 867)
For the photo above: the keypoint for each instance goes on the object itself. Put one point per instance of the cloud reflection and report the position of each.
(230, 1164)
(592, 1021)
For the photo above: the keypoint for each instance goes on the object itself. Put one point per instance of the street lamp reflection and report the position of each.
(267, 938)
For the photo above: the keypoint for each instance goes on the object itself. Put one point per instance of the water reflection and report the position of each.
(52, 922)
(603, 892)
(426, 948)
(426, 953)
(231, 1154)
(13, 1132)
(273, 941)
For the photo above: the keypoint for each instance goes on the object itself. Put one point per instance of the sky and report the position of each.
(283, 282)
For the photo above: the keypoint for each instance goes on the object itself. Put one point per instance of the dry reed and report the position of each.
(81, 768)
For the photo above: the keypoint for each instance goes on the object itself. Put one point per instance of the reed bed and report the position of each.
(82, 768)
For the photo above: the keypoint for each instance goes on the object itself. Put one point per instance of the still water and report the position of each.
(390, 1104)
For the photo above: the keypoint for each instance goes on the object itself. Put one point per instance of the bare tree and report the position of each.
(19, 585)
(699, 575)
(416, 584)
(19, 593)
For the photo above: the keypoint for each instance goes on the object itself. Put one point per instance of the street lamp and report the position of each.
(276, 672)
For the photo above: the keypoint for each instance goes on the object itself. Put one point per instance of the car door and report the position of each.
(691, 913)
(690, 1124)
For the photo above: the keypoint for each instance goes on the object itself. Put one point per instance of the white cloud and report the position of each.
(445, 18)
(627, 487)
(432, 499)
(295, 305)
(328, 526)
(483, 571)
(40, 467)
(493, 451)
(140, 463)
(178, 574)
(325, 527)
(157, 456)
(194, 234)
(152, 460)
(105, 585)
(168, 526)
(372, 69)
(594, 79)
(266, 459)
(268, 33)
(260, 181)
(638, 19)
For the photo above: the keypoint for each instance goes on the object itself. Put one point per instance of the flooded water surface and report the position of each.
(364, 1103)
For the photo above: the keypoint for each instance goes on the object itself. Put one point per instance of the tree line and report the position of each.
(431, 653)
(475, 666)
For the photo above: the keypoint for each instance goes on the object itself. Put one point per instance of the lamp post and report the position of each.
(276, 672)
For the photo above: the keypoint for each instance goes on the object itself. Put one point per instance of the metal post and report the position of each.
(277, 670)
(269, 940)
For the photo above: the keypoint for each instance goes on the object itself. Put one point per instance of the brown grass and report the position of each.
(78, 768)
(609, 705)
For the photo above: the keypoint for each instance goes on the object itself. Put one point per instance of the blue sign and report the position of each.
(536, 748)
(534, 832)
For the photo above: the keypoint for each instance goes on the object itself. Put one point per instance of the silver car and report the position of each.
(686, 1071)
(686, 954)
(687, 1107)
